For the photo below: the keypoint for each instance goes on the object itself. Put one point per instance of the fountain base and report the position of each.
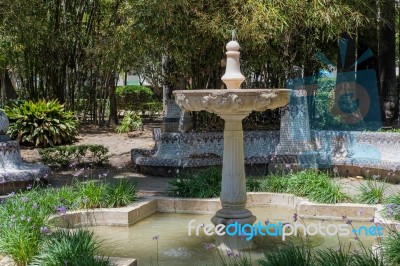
(238, 240)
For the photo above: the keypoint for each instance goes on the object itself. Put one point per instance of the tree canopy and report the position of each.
(74, 50)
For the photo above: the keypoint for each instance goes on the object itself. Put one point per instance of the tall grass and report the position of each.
(303, 255)
(391, 247)
(70, 248)
(203, 184)
(318, 186)
(373, 192)
(275, 183)
(24, 222)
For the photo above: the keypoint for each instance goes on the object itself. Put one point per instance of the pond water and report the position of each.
(175, 247)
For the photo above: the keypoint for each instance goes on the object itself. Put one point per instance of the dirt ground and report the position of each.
(119, 165)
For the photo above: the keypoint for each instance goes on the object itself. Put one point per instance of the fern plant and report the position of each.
(42, 123)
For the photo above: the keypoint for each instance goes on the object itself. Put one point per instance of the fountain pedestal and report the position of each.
(233, 192)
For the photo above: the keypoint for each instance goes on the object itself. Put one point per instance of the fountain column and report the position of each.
(233, 190)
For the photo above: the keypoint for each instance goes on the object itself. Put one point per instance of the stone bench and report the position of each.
(353, 152)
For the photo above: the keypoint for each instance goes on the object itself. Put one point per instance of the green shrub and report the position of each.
(65, 155)
(391, 247)
(303, 255)
(91, 194)
(153, 108)
(253, 184)
(133, 97)
(77, 248)
(41, 123)
(317, 186)
(131, 122)
(275, 183)
(24, 216)
(373, 192)
(120, 194)
(288, 255)
(201, 184)
(20, 224)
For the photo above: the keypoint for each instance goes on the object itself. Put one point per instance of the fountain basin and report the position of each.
(169, 217)
(234, 101)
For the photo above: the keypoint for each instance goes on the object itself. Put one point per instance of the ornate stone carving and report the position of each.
(231, 101)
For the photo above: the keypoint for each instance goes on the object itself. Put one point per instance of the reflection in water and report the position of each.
(175, 247)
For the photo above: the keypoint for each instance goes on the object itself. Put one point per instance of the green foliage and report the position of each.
(24, 216)
(288, 255)
(133, 97)
(200, 184)
(137, 91)
(373, 192)
(153, 108)
(203, 184)
(19, 229)
(131, 122)
(392, 208)
(77, 248)
(391, 247)
(329, 193)
(267, 120)
(91, 194)
(303, 255)
(275, 183)
(324, 100)
(41, 123)
(253, 184)
(317, 186)
(66, 155)
(120, 194)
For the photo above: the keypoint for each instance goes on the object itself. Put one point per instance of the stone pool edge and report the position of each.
(145, 207)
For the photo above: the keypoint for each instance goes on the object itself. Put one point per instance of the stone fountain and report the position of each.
(232, 105)
(14, 173)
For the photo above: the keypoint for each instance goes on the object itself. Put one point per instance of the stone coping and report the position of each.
(145, 207)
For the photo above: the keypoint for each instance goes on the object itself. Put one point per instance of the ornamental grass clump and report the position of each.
(373, 192)
(66, 247)
(318, 186)
(20, 223)
(120, 194)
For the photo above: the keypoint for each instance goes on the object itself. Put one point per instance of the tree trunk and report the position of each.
(113, 119)
(387, 64)
(8, 91)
